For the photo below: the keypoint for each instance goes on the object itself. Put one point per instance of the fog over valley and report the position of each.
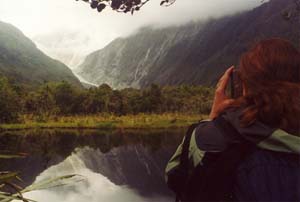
(68, 30)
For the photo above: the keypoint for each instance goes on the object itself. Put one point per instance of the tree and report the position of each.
(132, 100)
(64, 96)
(41, 102)
(124, 6)
(117, 103)
(154, 99)
(9, 102)
(98, 99)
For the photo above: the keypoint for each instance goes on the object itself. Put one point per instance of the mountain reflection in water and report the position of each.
(116, 165)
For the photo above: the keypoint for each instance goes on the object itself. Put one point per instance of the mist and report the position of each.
(68, 30)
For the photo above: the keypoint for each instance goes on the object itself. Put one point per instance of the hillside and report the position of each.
(23, 62)
(196, 53)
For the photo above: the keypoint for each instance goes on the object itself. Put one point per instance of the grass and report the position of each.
(107, 121)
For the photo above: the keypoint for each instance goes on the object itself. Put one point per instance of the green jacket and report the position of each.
(208, 137)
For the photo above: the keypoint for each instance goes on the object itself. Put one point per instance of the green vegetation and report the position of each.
(11, 191)
(108, 121)
(8, 101)
(61, 105)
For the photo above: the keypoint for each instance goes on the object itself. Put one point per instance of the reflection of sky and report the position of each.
(65, 29)
(94, 188)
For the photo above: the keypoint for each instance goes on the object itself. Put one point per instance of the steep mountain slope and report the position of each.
(196, 53)
(21, 61)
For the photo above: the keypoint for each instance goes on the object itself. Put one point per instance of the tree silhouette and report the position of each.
(124, 6)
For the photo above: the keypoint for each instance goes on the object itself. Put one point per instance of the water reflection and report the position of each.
(118, 165)
(95, 186)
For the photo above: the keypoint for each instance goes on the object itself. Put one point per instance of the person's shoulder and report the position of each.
(209, 137)
(210, 127)
(212, 135)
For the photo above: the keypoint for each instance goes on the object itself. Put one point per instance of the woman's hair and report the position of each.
(270, 72)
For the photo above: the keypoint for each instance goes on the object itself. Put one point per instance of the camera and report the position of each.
(236, 86)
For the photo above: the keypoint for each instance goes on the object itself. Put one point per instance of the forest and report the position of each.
(52, 100)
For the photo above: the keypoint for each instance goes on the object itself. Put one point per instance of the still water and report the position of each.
(117, 166)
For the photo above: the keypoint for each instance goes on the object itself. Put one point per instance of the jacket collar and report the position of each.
(264, 136)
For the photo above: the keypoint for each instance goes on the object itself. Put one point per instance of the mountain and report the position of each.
(196, 53)
(23, 62)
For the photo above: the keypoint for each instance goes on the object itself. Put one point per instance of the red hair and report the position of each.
(271, 76)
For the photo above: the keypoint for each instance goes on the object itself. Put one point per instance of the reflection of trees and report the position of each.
(63, 142)
(50, 147)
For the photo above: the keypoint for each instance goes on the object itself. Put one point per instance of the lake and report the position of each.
(116, 165)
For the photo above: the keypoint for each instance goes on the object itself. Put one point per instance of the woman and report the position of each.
(267, 115)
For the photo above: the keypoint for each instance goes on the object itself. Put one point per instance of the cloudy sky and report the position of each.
(68, 29)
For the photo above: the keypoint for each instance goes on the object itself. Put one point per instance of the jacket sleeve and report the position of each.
(205, 138)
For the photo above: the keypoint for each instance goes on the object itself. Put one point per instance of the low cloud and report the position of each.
(67, 29)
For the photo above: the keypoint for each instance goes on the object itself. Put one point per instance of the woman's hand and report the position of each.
(221, 100)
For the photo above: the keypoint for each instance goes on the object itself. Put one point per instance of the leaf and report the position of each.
(51, 183)
(45, 184)
(162, 3)
(6, 197)
(4, 177)
(94, 4)
(116, 4)
(12, 156)
(100, 7)
(137, 2)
